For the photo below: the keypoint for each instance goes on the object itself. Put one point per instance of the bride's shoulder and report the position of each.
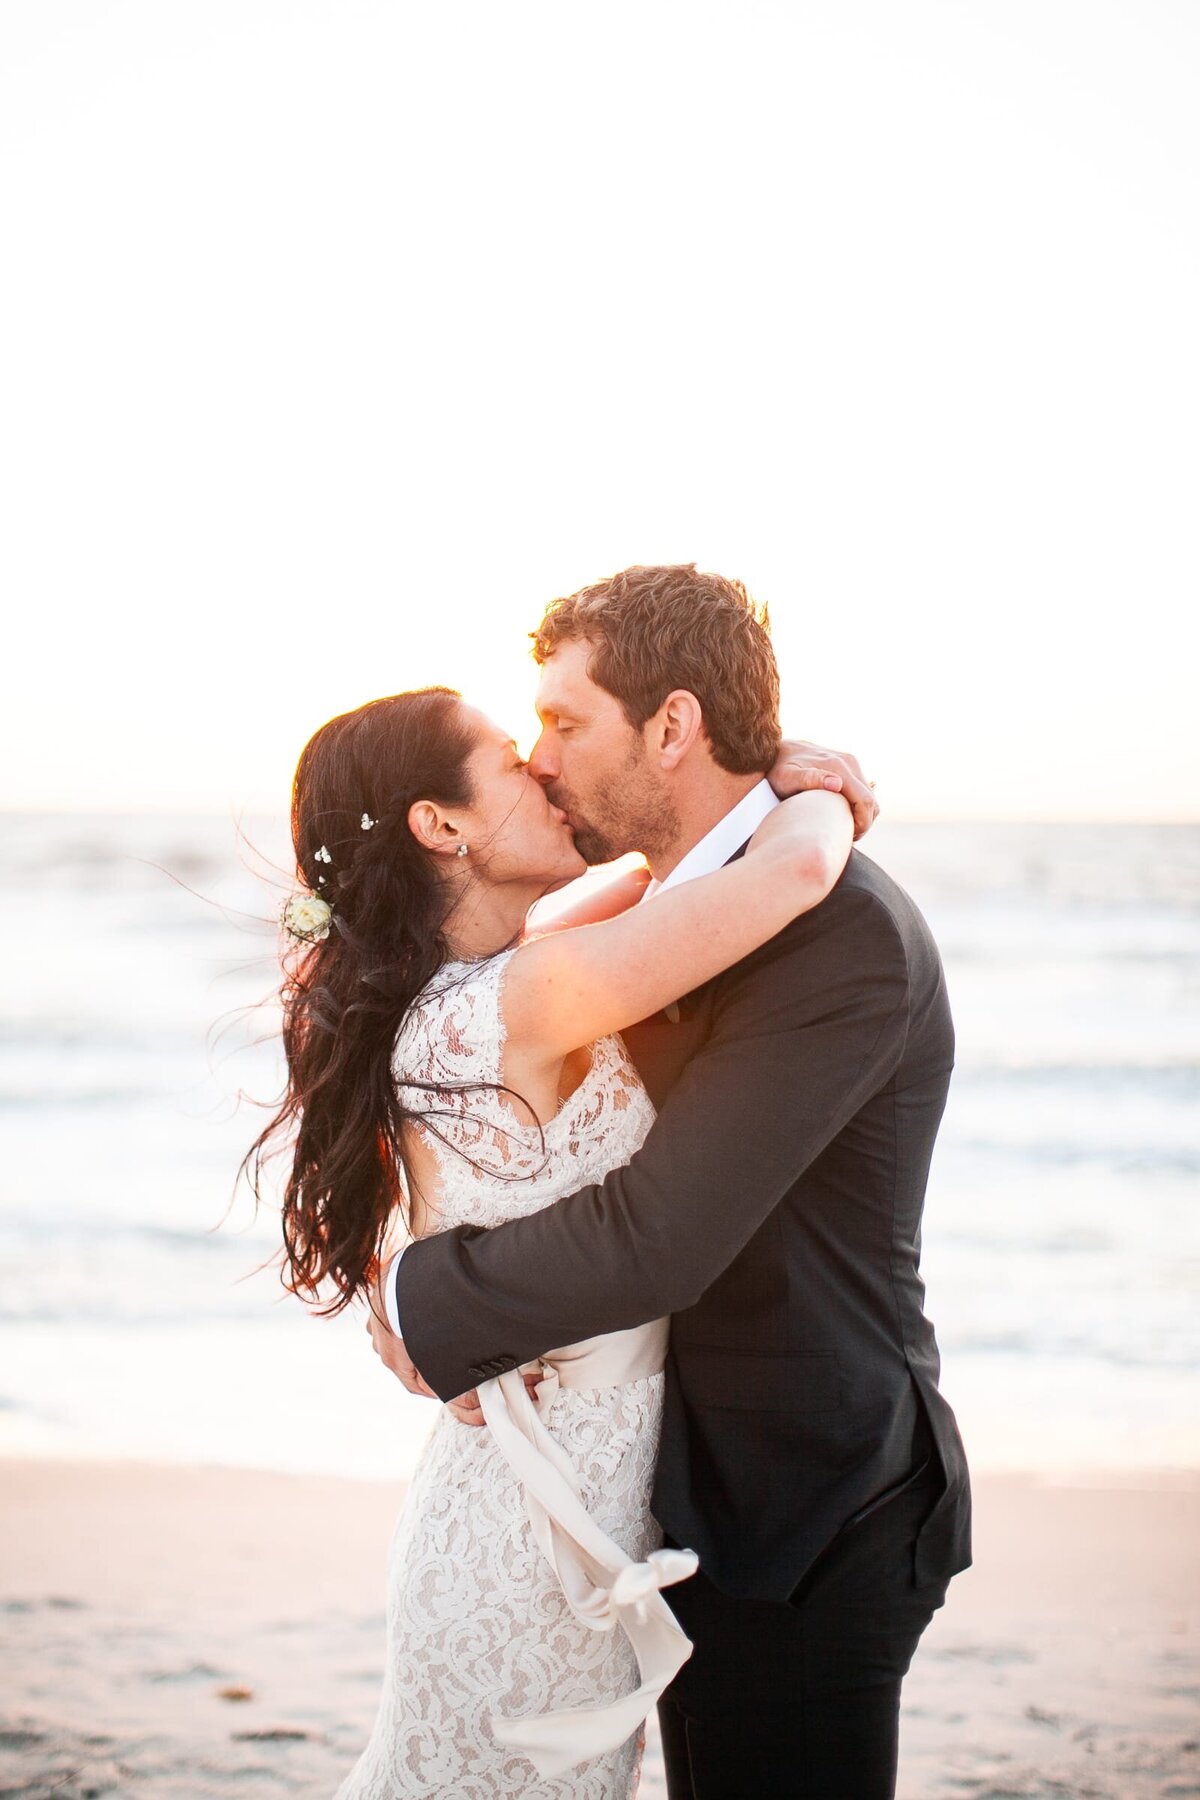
(456, 1019)
(469, 982)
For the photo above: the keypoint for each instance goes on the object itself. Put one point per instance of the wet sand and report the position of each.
(180, 1633)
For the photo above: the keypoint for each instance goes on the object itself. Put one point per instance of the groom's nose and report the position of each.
(542, 765)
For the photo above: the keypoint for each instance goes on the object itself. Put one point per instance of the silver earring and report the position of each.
(462, 850)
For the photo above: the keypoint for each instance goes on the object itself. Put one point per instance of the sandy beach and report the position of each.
(184, 1632)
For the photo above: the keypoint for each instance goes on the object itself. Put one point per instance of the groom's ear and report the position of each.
(675, 728)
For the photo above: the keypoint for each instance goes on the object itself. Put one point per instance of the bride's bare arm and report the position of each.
(563, 990)
(587, 901)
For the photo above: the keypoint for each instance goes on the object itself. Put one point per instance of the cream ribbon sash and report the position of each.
(603, 1586)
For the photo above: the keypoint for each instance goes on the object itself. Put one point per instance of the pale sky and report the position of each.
(337, 338)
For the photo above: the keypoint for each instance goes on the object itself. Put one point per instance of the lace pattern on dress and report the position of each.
(495, 1164)
(477, 1621)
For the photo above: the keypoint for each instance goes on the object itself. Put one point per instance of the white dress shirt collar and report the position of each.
(718, 845)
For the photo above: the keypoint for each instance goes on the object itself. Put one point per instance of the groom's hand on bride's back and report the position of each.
(801, 766)
(387, 1344)
(392, 1354)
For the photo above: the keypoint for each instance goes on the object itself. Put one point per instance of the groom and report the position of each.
(774, 1212)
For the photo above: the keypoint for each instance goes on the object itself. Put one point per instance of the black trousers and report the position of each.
(800, 1699)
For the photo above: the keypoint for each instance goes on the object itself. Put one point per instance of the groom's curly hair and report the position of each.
(653, 629)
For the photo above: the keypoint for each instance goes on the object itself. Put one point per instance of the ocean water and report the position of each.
(1062, 1229)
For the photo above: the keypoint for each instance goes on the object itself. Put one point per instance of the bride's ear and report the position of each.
(434, 829)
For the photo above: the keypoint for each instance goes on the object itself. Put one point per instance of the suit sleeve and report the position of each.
(804, 1032)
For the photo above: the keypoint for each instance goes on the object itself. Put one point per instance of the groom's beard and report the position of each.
(627, 812)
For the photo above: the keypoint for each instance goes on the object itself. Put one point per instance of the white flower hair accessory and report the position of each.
(307, 916)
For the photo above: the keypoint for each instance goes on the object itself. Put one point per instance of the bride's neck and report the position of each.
(487, 919)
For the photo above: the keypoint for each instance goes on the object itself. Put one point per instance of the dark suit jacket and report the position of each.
(775, 1212)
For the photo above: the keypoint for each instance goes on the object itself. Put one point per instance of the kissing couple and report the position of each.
(656, 1155)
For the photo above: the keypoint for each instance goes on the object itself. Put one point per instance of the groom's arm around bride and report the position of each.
(774, 1211)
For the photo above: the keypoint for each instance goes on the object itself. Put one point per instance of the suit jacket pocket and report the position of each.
(889, 1494)
(742, 1381)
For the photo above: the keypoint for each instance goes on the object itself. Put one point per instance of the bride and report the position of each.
(447, 1065)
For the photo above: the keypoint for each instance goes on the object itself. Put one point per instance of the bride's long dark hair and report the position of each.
(344, 997)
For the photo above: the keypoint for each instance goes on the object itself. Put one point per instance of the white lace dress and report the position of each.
(477, 1623)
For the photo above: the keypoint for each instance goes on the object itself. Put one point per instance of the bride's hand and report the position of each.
(800, 767)
(808, 836)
